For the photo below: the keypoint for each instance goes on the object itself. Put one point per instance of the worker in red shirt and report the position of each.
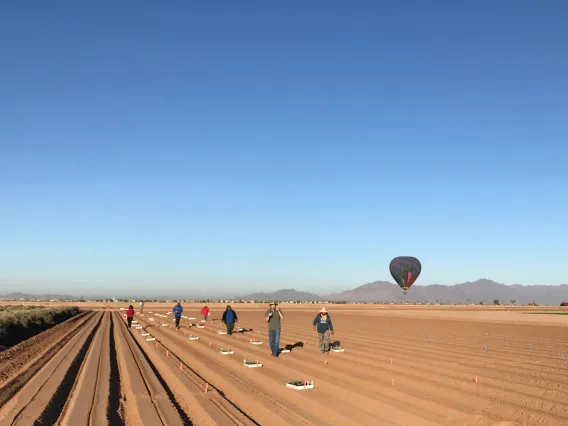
(130, 315)
(205, 313)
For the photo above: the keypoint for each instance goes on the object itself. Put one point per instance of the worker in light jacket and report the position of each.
(322, 324)
(229, 319)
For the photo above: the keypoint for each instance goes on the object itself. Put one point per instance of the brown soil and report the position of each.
(96, 372)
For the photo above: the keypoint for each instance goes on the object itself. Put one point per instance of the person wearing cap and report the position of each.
(273, 317)
(322, 323)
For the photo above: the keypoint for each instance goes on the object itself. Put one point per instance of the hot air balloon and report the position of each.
(405, 271)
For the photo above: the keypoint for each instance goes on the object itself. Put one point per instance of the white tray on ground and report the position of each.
(227, 352)
(150, 339)
(285, 351)
(256, 342)
(193, 338)
(145, 334)
(221, 332)
(308, 385)
(252, 364)
(337, 350)
(165, 325)
(191, 318)
(203, 321)
(200, 326)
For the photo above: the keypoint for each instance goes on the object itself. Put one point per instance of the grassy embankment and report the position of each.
(18, 323)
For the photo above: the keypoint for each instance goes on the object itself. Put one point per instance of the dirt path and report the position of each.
(399, 369)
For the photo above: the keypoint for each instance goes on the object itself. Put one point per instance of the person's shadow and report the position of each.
(294, 346)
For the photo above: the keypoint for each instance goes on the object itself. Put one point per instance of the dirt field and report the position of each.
(402, 365)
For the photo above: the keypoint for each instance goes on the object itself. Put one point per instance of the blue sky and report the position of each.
(235, 147)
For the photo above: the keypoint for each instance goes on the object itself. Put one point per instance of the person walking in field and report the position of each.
(273, 317)
(205, 312)
(141, 307)
(322, 324)
(130, 315)
(229, 319)
(177, 313)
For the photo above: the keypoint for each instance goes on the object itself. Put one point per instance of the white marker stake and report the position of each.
(393, 381)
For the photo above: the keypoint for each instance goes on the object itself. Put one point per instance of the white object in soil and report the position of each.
(241, 329)
(191, 318)
(226, 352)
(150, 339)
(221, 332)
(307, 385)
(252, 364)
(165, 325)
(256, 342)
(193, 338)
(285, 351)
(145, 334)
(203, 321)
(336, 349)
(200, 326)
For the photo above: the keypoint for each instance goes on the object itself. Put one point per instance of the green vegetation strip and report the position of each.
(18, 323)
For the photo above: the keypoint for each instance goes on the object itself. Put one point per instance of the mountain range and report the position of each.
(482, 290)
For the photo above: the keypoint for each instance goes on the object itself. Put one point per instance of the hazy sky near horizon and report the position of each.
(239, 147)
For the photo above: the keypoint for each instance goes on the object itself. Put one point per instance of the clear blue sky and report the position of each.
(243, 146)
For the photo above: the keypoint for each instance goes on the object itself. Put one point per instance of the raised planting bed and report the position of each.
(300, 384)
(252, 364)
(256, 342)
(337, 349)
(193, 338)
(226, 351)
(221, 332)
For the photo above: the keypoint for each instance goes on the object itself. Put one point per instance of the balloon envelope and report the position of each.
(405, 271)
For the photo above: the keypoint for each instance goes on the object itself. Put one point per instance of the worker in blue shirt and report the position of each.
(177, 313)
(229, 319)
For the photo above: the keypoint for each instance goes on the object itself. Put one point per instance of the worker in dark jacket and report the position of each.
(177, 313)
(130, 315)
(322, 324)
(229, 319)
